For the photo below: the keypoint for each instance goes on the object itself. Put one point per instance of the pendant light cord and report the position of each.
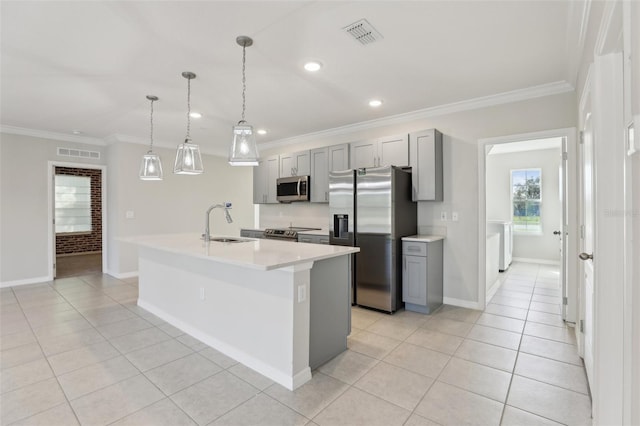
(244, 80)
(151, 129)
(188, 108)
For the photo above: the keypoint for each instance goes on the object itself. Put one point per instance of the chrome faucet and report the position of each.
(226, 206)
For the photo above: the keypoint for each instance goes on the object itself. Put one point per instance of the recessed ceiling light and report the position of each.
(262, 131)
(76, 132)
(195, 115)
(312, 66)
(375, 103)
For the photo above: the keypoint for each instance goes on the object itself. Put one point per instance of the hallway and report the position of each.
(79, 351)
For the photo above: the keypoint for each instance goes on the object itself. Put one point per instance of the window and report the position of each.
(526, 198)
(73, 204)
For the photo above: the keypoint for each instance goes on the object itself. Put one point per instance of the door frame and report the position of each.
(50, 210)
(569, 200)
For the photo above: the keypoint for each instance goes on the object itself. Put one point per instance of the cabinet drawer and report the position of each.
(411, 248)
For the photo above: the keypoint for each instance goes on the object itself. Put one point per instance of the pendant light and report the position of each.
(244, 151)
(188, 159)
(151, 166)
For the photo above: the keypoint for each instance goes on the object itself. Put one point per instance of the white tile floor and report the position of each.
(79, 351)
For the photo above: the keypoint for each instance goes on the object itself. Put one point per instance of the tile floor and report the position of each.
(79, 351)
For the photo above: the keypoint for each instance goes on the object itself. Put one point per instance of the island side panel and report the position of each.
(330, 310)
(250, 315)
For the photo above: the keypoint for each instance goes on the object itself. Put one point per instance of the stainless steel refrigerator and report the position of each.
(372, 209)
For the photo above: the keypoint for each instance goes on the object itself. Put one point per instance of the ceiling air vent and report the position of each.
(363, 32)
(78, 153)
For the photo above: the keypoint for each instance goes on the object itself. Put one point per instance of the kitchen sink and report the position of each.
(229, 240)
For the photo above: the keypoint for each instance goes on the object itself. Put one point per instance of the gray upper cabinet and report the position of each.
(387, 151)
(324, 160)
(425, 149)
(339, 157)
(295, 164)
(264, 180)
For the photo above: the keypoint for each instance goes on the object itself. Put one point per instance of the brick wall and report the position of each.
(89, 242)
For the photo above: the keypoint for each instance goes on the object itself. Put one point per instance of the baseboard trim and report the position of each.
(123, 275)
(493, 289)
(532, 260)
(27, 281)
(461, 303)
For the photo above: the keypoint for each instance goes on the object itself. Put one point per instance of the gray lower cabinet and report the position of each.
(422, 275)
(251, 233)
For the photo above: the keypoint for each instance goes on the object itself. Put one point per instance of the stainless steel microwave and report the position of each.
(294, 188)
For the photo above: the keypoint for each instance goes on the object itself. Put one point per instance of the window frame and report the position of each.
(538, 230)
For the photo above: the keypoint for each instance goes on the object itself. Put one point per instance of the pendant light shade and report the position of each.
(188, 159)
(151, 166)
(244, 150)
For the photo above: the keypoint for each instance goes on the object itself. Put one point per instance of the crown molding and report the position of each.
(577, 26)
(43, 134)
(539, 91)
(607, 23)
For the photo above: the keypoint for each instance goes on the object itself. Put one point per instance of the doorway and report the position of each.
(77, 232)
(530, 222)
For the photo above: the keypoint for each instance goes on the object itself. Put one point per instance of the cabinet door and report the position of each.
(295, 164)
(414, 280)
(339, 157)
(286, 165)
(260, 182)
(272, 175)
(425, 152)
(364, 154)
(301, 163)
(393, 151)
(319, 175)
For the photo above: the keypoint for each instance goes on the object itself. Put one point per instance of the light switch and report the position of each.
(443, 216)
(130, 214)
(454, 216)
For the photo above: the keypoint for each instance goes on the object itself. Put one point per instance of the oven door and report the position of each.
(295, 188)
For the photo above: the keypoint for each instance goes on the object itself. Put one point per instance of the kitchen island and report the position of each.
(280, 308)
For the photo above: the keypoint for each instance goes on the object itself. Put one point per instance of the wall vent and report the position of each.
(78, 153)
(363, 32)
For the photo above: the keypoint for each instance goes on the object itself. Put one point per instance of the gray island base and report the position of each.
(280, 317)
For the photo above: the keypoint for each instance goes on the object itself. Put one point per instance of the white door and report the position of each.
(587, 284)
(563, 233)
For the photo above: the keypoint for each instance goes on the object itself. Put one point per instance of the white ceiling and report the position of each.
(88, 65)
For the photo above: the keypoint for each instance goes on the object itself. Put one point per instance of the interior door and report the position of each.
(588, 224)
(563, 233)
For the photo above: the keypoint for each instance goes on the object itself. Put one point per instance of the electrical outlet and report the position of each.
(454, 216)
(302, 293)
(443, 216)
(130, 214)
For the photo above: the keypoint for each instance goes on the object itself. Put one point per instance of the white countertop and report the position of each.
(423, 238)
(262, 254)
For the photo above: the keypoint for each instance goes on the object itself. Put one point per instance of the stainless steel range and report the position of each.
(286, 234)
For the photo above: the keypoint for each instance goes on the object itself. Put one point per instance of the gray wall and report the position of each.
(543, 246)
(461, 131)
(176, 204)
(24, 203)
